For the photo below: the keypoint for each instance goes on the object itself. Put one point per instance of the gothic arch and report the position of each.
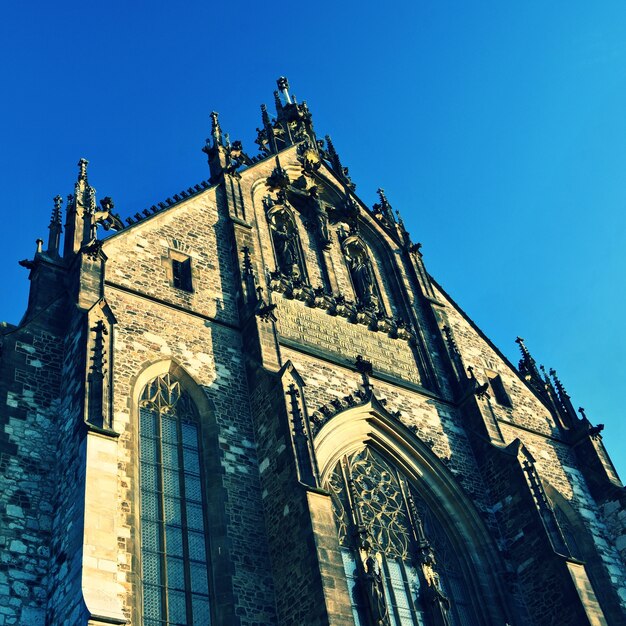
(370, 424)
(169, 366)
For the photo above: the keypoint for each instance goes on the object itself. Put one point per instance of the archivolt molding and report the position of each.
(371, 424)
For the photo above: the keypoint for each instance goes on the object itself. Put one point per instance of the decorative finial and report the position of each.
(216, 131)
(265, 116)
(563, 396)
(82, 169)
(283, 87)
(56, 211)
(557, 383)
(522, 346)
(55, 226)
(332, 154)
(277, 103)
(335, 163)
(383, 208)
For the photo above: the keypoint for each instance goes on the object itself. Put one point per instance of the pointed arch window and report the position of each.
(389, 540)
(174, 546)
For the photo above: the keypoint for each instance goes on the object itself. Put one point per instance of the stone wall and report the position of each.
(30, 372)
(165, 325)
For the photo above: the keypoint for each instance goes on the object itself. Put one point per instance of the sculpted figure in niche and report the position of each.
(322, 218)
(362, 276)
(375, 593)
(286, 246)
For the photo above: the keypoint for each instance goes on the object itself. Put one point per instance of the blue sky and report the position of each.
(497, 129)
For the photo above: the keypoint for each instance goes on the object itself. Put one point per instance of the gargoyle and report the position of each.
(106, 218)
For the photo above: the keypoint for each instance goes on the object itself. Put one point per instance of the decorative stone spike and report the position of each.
(216, 131)
(82, 169)
(283, 87)
(564, 398)
(56, 211)
(277, 103)
(54, 238)
(383, 208)
(265, 115)
(528, 367)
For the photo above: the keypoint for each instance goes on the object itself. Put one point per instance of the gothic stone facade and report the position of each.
(363, 453)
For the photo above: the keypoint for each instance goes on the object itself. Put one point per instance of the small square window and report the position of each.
(499, 392)
(181, 272)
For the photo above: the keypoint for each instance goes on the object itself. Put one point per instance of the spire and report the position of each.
(333, 157)
(292, 124)
(265, 117)
(277, 102)
(265, 135)
(216, 131)
(528, 366)
(335, 162)
(383, 208)
(79, 210)
(82, 169)
(55, 227)
(283, 87)
(564, 398)
(223, 156)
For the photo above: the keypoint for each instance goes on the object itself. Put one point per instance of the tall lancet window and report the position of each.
(400, 566)
(174, 547)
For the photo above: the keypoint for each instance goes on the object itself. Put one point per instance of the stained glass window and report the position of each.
(366, 490)
(173, 522)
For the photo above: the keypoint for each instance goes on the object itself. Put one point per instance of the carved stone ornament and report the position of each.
(361, 273)
(309, 157)
(278, 179)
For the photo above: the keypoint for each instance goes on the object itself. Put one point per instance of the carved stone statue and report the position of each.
(286, 250)
(321, 217)
(375, 593)
(363, 279)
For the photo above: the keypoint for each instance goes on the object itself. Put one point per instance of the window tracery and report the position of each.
(385, 529)
(174, 549)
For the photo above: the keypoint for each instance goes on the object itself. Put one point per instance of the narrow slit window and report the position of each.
(181, 271)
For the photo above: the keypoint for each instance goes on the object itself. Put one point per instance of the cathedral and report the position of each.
(252, 405)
